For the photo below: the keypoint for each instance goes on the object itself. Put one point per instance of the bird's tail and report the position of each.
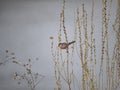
(71, 42)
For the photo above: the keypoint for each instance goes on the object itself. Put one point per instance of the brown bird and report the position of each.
(65, 45)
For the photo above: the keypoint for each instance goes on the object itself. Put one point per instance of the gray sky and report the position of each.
(25, 28)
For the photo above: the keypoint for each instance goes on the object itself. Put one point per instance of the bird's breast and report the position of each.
(63, 46)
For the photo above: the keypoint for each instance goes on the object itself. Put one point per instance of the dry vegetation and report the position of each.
(89, 71)
(26, 75)
(108, 69)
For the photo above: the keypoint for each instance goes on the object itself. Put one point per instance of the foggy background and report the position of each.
(25, 28)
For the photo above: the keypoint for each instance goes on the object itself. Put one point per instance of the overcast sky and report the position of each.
(25, 28)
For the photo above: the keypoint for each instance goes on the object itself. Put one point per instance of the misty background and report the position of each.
(25, 28)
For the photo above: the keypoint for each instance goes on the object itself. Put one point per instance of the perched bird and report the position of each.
(65, 45)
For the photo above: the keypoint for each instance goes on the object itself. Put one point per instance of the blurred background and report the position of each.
(25, 28)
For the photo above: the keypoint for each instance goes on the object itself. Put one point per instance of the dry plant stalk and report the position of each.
(87, 80)
(116, 53)
(87, 52)
(80, 44)
(104, 40)
(92, 51)
(61, 65)
(55, 58)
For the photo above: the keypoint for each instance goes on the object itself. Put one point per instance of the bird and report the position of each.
(65, 45)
